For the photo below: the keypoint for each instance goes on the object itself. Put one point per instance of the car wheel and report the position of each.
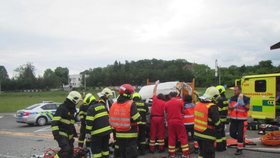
(41, 121)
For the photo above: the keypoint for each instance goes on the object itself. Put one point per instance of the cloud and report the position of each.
(87, 34)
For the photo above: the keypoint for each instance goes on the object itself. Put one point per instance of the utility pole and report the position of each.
(217, 72)
(85, 81)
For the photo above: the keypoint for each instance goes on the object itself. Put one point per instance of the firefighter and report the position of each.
(89, 98)
(222, 103)
(104, 96)
(207, 122)
(174, 109)
(239, 106)
(63, 128)
(157, 129)
(143, 110)
(98, 128)
(123, 118)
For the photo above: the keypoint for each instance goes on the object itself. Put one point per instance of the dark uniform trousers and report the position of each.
(142, 137)
(127, 147)
(99, 146)
(221, 139)
(82, 136)
(237, 131)
(207, 149)
(66, 147)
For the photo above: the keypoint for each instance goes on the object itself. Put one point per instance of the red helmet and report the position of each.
(126, 89)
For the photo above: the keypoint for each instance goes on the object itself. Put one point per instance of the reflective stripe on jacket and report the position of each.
(239, 113)
(188, 118)
(120, 116)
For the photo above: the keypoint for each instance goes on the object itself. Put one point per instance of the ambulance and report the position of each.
(264, 93)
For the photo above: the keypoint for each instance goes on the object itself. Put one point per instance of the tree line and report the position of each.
(25, 78)
(133, 72)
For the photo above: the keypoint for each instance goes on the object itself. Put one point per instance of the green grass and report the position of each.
(11, 102)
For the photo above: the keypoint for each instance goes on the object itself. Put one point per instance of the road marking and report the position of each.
(8, 156)
(1, 117)
(45, 129)
(25, 134)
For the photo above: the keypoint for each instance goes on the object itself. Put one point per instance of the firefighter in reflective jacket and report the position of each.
(123, 118)
(98, 128)
(63, 128)
(207, 122)
(89, 98)
(143, 110)
(238, 112)
(222, 103)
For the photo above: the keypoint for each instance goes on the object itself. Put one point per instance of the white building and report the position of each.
(75, 81)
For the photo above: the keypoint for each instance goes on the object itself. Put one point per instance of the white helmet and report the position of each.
(74, 97)
(211, 94)
(105, 92)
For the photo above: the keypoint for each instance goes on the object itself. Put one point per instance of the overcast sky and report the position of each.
(84, 34)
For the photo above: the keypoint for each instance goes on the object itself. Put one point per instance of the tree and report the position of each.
(63, 74)
(26, 76)
(50, 79)
(3, 73)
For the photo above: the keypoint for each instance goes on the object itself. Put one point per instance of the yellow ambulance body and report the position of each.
(264, 91)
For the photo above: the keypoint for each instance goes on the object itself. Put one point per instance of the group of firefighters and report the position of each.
(124, 122)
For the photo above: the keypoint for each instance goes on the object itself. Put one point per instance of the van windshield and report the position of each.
(32, 107)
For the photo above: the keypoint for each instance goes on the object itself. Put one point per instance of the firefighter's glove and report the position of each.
(111, 140)
(88, 136)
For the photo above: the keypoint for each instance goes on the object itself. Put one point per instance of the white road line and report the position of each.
(1, 117)
(8, 156)
(45, 129)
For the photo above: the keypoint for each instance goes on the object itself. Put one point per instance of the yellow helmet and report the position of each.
(221, 89)
(211, 93)
(88, 99)
(105, 92)
(74, 97)
(136, 95)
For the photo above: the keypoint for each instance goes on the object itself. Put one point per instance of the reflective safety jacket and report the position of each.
(124, 117)
(206, 120)
(223, 108)
(143, 110)
(64, 120)
(83, 113)
(188, 117)
(97, 120)
(240, 112)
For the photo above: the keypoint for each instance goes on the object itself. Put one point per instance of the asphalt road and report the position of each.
(23, 141)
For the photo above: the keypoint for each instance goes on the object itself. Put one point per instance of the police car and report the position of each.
(38, 114)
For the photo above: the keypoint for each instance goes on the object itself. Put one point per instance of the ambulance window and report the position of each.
(260, 85)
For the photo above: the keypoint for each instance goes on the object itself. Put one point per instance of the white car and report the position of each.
(38, 114)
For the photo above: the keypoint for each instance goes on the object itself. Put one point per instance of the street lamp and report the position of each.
(85, 81)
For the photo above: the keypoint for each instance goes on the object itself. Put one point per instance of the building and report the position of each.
(75, 81)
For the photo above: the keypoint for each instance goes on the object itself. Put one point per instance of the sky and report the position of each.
(86, 34)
